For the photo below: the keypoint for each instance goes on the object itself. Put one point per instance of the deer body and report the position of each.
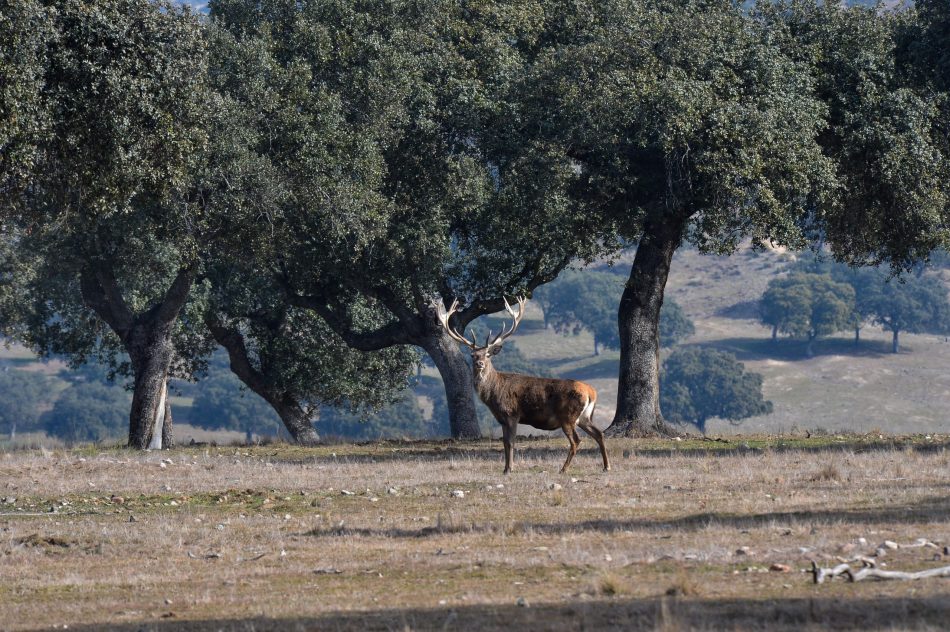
(542, 403)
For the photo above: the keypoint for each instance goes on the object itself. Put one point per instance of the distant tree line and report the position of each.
(820, 298)
(299, 182)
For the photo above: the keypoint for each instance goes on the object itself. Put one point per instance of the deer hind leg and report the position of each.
(588, 426)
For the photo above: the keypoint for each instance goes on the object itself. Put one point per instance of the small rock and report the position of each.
(554, 486)
(286, 516)
(863, 541)
(392, 491)
(219, 527)
(608, 558)
(880, 552)
(9, 500)
(521, 603)
(168, 602)
(458, 493)
(162, 465)
(780, 568)
(677, 438)
(374, 499)
(173, 503)
(500, 486)
(743, 550)
(889, 544)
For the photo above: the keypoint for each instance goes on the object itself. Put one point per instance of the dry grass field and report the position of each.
(419, 536)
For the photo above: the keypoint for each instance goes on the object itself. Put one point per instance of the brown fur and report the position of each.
(542, 403)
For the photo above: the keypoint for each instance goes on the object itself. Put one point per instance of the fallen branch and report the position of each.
(251, 559)
(209, 556)
(819, 575)
(876, 573)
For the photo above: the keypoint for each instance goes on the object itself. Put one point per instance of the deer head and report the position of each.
(481, 354)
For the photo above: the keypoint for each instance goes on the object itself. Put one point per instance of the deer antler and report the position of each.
(505, 332)
(444, 319)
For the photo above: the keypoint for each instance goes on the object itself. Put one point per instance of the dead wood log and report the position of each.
(819, 575)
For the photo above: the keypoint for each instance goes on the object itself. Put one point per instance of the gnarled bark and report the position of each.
(638, 396)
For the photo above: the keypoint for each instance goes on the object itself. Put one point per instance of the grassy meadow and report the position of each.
(423, 536)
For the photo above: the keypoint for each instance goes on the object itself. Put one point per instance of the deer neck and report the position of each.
(485, 380)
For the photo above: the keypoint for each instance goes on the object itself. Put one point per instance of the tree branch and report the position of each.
(390, 334)
(177, 295)
(233, 342)
(101, 293)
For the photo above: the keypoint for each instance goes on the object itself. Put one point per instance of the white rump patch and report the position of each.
(587, 411)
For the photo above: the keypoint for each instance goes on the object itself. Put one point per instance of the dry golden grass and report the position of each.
(676, 537)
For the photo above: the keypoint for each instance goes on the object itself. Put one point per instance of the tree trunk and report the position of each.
(895, 342)
(150, 351)
(457, 378)
(857, 336)
(809, 348)
(596, 349)
(296, 420)
(147, 338)
(638, 396)
(285, 403)
(774, 334)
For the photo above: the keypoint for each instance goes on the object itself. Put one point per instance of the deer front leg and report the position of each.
(508, 431)
(573, 439)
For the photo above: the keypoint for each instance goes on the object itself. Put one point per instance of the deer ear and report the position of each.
(494, 350)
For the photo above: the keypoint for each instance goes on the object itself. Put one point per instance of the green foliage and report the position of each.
(888, 199)
(681, 109)
(913, 304)
(589, 300)
(807, 305)
(21, 396)
(699, 383)
(113, 196)
(89, 412)
(25, 32)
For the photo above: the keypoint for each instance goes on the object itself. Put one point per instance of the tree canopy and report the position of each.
(699, 383)
(807, 306)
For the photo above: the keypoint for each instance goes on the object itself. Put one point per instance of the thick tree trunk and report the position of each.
(638, 396)
(457, 378)
(296, 420)
(150, 351)
(895, 341)
(147, 338)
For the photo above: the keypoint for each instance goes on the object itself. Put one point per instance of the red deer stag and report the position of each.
(543, 403)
